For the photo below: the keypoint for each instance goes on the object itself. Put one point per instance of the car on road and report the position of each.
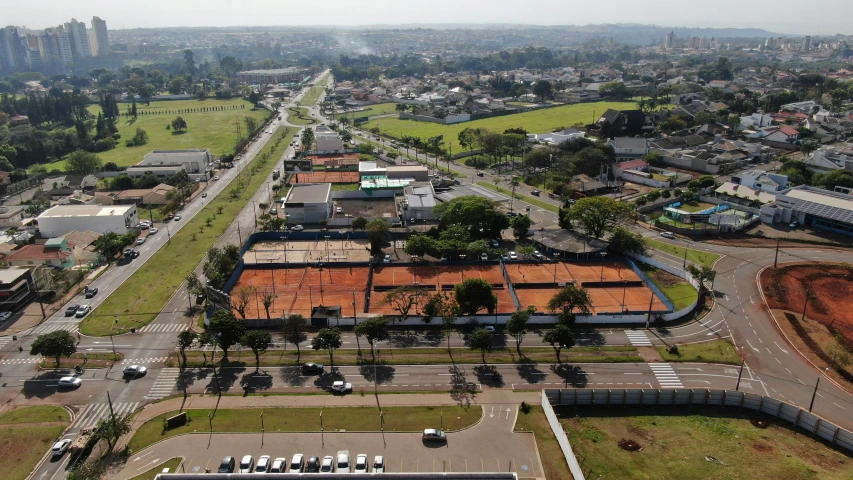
(535, 192)
(263, 464)
(484, 256)
(511, 214)
(83, 310)
(134, 370)
(340, 386)
(387, 259)
(537, 255)
(298, 228)
(296, 463)
(378, 464)
(204, 195)
(480, 174)
(60, 447)
(226, 466)
(360, 463)
(140, 240)
(91, 292)
(246, 464)
(434, 435)
(153, 231)
(513, 255)
(215, 178)
(279, 465)
(328, 465)
(667, 235)
(310, 368)
(177, 218)
(71, 310)
(69, 382)
(312, 465)
(144, 225)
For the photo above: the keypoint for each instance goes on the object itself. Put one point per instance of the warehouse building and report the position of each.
(814, 207)
(308, 203)
(61, 219)
(164, 163)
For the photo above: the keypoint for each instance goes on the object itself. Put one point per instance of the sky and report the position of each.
(823, 17)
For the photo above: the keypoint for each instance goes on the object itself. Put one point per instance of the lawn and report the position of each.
(537, 121)
(372, 111)
(695, 206)
(693, 256)
(312, 96)
(300, 116)
(518, 196)
(172, 465)
(550, 453)
(216, 131)
(425, 356)
(715, 351)
(676, 289)
(139, 299)
(26, 434)
(694, 443)
(358, 419)
(92, 360)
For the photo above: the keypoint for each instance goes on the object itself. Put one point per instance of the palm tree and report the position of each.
(643, 105)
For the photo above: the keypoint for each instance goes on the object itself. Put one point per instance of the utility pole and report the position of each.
(776, 258)
(684, 265)
(651, 302)
(814, 394)
(806, 304)
(740, 373)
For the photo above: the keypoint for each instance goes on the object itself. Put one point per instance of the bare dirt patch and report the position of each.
(666, 279)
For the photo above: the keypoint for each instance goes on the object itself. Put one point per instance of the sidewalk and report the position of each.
(301, 401)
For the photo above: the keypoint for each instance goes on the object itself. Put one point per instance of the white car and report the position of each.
(246, 464)
(360, 463)
(378, 464)
(537, 255)
(153, 231)
(140, 240)
(484, 256)
(341, 386)
(328, 465)
(297, 463)
(60, 447)
(667, 235)
(279, 465)
(298, 228)
(70, 382)
(513, 256)
(387, 259)
(82, 311)
(343, 463)
(177, 217)
(263, 464)
(135, 370)
(216, 177)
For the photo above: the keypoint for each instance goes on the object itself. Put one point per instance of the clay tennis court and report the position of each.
(298, 289)
(567, 272)
(434, 274)
(308, 251)
(325, 177)
(334, 159)
(604, 300)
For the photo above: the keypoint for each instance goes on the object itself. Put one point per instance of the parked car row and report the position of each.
(302, 464)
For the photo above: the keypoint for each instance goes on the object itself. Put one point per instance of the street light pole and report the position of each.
(814, 394)
(740, 372)
(111, 336)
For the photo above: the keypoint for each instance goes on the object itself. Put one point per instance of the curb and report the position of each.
(47, 454)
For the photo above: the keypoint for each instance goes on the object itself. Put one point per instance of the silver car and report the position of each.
(328, 465)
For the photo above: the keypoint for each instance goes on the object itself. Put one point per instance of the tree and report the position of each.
(480, 339)
(294, 330)
(56, 344)
(251, 125)
(176, 86)
(328, 339)
(623, 241)
(226, 331)
(378, 231)
(360, 223)
(112, 428)
(615, 90)
(93, 470)
(703, 273)
(84, 163)
(259, 341)
(569, 299)
(559, 337)
(599, 214)
(474, 294)
(230, 66)
(269, 296)
(520, 225)
(140, 138)
(478, 214)
(403, 298)
(307, 138)
(516, 326)
(241, 297)
(420, 245)
(185, 341)
(542, 89)
(179, 124)
(373, 329)
(653, 158)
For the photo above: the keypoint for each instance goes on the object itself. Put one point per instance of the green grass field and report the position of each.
(372, 110)
(351, 419)
(693, 256)
(677, 290)
(550, 453)
(26, 434)
(695, 443)
(299, 116)
(313, 95)
(538, 121)
(715, 351)
(143, 295)
(216, 131)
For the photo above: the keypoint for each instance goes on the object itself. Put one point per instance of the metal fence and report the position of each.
(562, 439)
(796, 416)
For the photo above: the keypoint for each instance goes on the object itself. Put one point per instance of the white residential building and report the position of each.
(61, 219)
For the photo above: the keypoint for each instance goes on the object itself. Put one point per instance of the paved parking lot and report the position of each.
(489, 446)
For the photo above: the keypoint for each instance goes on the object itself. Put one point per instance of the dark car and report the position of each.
(227, 465)
(91, 292)
(71, 310)
(309, 368)
(479, 174)
(434, 435)
(312, 465)
(535, 192)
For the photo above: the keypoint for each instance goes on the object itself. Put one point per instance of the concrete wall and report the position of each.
(633, 178)
(562, 438)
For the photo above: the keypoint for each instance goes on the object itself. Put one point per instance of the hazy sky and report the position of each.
(783, 16)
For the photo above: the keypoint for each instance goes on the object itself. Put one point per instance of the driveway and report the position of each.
(488, 446)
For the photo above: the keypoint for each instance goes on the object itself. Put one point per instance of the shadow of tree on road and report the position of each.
(461, 390)
(589, 337)
(489, 375)
(256, 381)
(377, 373)
(529, 372)
(571, 374)
(292, 376)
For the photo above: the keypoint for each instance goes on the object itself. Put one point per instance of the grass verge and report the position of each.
(312, 96)
(523, 198)
(361, 419)
(152, 474)
(423, 356)
(299, 116)
(693, 256)
(715, 351)
(139, 299)
(550, 453)
(26, 434)
(92, 360)
(676, 289)
(697, 443)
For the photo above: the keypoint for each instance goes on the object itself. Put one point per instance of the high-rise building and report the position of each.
(670, 40)
(807, 43)
(79, 38)
(35, 50)
(13, 49)
(102, 39)
(57, 46)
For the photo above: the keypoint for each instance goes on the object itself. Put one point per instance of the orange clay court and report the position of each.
(298, 289)
(567, 272)
(434, 274)
(326, 177)
(604, 300)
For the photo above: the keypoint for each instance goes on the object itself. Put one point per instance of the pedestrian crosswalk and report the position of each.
(164, 383)
(131, 361)
(98, 411)
(54, 326)
(638, 338)
(163, 327)
(5, 341)
(665, 375)
(20, 361)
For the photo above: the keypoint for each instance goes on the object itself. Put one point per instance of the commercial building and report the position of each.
(308, 203)
(55, 253)
(274, 76)
(165, 163)
(61, 219)
(101, 45)
(813, 207)
(328, 142)
(17, 287)
(419, 202)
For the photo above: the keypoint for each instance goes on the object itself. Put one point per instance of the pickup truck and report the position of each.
(82, 441)
(341, 387)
